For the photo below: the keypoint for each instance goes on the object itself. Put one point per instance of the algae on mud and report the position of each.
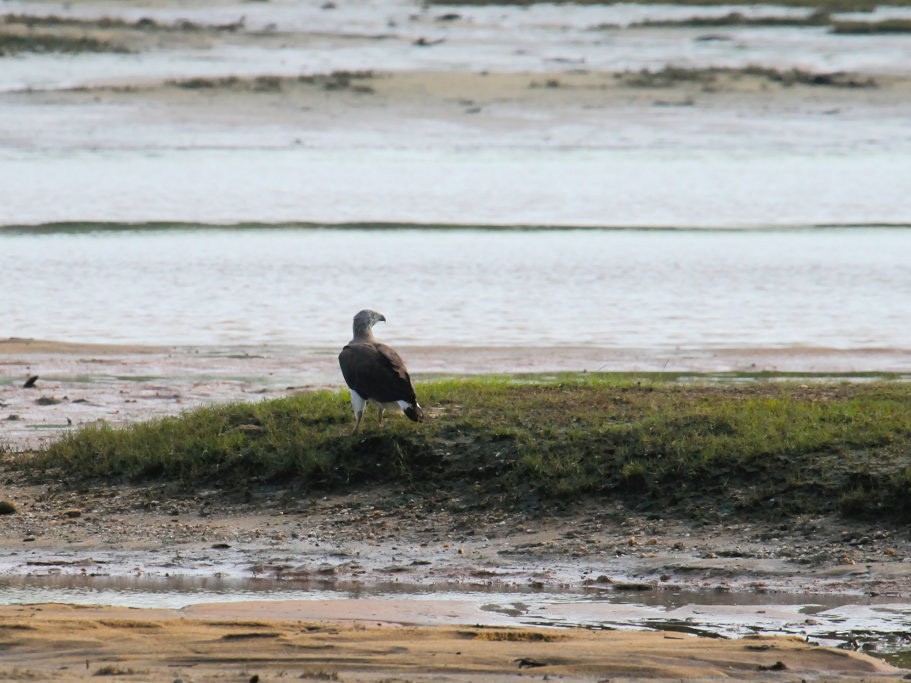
(778, 448)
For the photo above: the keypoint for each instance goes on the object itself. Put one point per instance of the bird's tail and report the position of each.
(414, 412)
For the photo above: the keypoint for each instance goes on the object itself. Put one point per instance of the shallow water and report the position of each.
(678, 165)
(828, 619)
(664, 290)
(536, 187)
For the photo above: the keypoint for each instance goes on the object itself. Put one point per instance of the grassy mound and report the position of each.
(656, 443)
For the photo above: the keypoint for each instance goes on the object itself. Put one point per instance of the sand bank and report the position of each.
(366, 641)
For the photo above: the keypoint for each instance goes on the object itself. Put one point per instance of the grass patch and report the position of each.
(337, 80)
(111, 670)
(775, 446)
(710, 78)
(53, 21)
(817, 18)
(823, 5)
(868, 27)
(738, 19)
(14, 43)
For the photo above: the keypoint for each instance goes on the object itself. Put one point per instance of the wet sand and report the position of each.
(369, 641)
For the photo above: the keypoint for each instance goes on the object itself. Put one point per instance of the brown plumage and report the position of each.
(375, 373)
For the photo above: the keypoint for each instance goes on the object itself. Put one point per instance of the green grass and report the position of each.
(53, 21)
(818, 18)
(737, 19)
(654, 442)
(867, 27)
(825, 5)
(11, 43)
(709, 77)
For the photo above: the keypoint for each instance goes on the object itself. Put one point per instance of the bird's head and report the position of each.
(365, 320)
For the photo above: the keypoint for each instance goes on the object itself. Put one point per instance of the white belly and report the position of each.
(390, 405)
(358, 402)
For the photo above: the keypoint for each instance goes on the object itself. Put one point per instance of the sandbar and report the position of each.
(366, 641)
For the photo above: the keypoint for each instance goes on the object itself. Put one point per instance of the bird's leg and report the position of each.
(357, 420)
(359, 405)
(379, 418)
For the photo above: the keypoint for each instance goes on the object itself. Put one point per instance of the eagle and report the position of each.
(375, 373)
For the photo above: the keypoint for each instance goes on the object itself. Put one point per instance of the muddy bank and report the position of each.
(376, 559)
(381, 535)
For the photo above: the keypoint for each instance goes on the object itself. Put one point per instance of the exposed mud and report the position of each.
(384, 534)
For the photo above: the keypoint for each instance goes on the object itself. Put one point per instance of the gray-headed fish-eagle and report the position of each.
(375, 373)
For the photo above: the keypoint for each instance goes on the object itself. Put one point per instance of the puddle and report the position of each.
(878, 626)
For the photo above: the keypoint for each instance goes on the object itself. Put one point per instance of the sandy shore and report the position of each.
(364, 641)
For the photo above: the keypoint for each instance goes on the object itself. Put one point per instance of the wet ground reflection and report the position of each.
(877, 625)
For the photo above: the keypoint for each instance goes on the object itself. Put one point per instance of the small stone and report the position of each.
(7, 508)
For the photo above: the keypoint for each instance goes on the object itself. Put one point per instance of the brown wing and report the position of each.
(376, 371)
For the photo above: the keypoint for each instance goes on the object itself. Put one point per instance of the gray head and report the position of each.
(365, 320)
